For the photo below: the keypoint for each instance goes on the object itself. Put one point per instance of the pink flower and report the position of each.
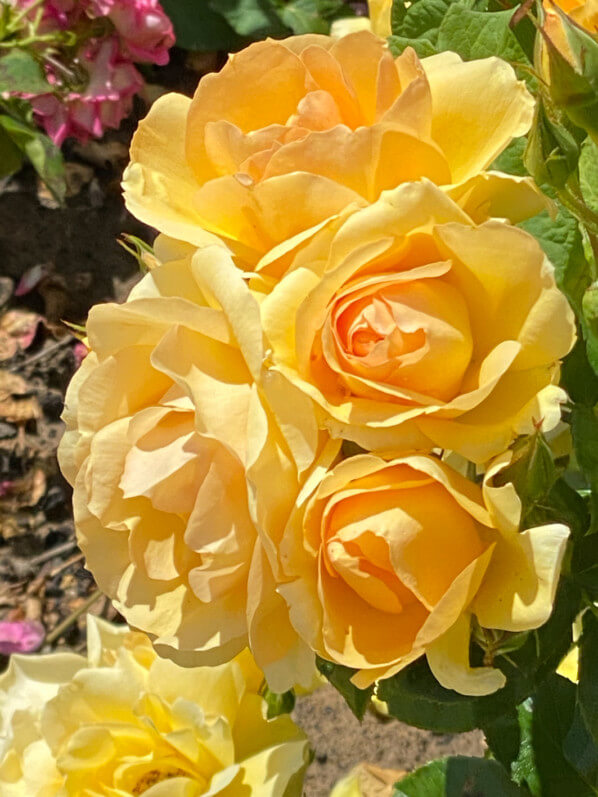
(20, 637)
(113, 81)
(144, 28)
(61, 14)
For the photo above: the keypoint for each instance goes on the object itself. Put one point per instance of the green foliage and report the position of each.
(544, 743)
(199, 27)
(11, 157)
(463, 26)
(422, 47)
(553, 150)
(254, 19)
(43, 154)
(478, 34)
(588, 674)
(574, 87)
(21, 72)
(553, 716)
(414, 696)
(533, 473)
(312, 16)
(231, 24)
(588, 174)
(420, 20)
(584, 428)
(458, 776)
(340, 677)
(282, 703)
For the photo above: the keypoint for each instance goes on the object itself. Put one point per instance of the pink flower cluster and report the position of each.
(137, 31)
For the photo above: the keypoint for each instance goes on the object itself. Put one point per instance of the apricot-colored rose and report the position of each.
(411, 326)
(165, 425)
(292, 132)
(585, 14)
(386, 561)
(124, 722)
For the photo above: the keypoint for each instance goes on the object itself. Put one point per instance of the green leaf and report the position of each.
(43, 154)
(21, 73)
(423, 47)
(503, 738)
(553, 715)
(562, 504)
(588, 174)
(580, 749)
(340, 677)
(578, 377)
(588, 673)
(418, 20)
(278, 703)
(198, 27)
(532, 472)
(553, 151)
(477, 34)
(459, 776)
(561, 240)
(414, 696)
(584, 565)
(511, 159)
(584, 429)
(255, 19)
(523, 768)
(11, 158)
(312, 16)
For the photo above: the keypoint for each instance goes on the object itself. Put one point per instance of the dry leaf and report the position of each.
(78, 175)
(102, 153)
(18, 329)
(17, 405)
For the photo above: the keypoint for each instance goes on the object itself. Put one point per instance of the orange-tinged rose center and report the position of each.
(400, 546)
(399, 338)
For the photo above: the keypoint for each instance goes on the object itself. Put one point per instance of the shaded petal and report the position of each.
(472, 133)
(519, 587)
(448, 658)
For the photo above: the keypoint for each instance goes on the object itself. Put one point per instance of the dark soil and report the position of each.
(41, 572)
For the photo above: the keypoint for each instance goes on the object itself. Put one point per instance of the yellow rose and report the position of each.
(124, 722)
(291, 132)
(386, 561)
(380, 11)
(165, 425)
(411, 326)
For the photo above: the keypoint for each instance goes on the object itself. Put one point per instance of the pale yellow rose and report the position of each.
(411, 326)
(125, 722)
(292, 132)
(380, 12)
(367, 780)
(165, 425)
(386, 561)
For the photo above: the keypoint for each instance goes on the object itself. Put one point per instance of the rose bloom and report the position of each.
(145, 31)
(337, 122)
(386, 561)
(166, 426)
(124, 722)
(412, 326)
